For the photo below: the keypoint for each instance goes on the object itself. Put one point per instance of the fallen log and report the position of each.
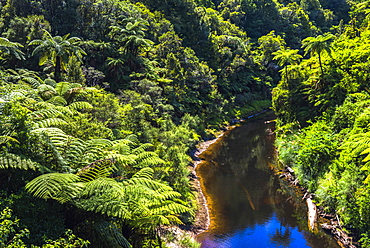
(312, 214)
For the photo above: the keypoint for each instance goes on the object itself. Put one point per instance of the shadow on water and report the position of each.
(247, 205)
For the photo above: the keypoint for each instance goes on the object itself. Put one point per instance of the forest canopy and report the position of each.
(102, 102)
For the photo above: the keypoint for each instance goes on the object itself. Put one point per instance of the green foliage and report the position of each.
(140, 199)
(317, 45)
(69, 241)
(13, 161)
(11, 235)
(177, 68)
(316, 152)
(57, 50)
(10, 48)
(188, 242)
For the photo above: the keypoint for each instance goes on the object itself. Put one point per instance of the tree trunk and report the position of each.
(286, 73)
(322, 70)
(58, 67)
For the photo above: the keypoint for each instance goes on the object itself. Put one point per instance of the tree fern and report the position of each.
(13, 161)
(123, 146)
(66, 111)
(82, 153)
(74, 152)
(44, 105)
(133, 138)
(146, 173)
(46, 91)
(123, 161)
(145, 178)
(96, 148)
(57, 186)
(105, 196)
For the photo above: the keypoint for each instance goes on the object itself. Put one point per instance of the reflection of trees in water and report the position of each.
(281, 237)
(243, 155)
(245, 150)
(237, 179)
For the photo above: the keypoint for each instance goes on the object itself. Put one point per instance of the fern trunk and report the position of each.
(58, 67)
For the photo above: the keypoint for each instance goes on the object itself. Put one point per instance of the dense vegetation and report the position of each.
(101, 103)
(322, 103)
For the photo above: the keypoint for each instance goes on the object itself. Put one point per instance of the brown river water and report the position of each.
(249, 206)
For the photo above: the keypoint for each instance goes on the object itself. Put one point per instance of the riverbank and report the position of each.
(202, 219)
(318, 218)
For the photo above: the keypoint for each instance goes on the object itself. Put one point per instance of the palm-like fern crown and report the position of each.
(139, 198)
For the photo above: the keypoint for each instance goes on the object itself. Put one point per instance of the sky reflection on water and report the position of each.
(267, 235)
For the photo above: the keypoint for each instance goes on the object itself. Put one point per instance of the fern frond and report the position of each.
(105, 205)
(123, 146)
(34, 82)
(75, 150)
(44, 105)
(148, 159)
(105, 196)
(50, 82)
(103, 186)
(123, 160)
(97, 169)
(142, 148)
(58, 100)
(5, 139)
(65, 110)
(14, 161)
(46, 113)
(133, 138)
(146, 173)
(51, 122)
(357, 143)
(149, 184)
(46, 87)
(80, 105)
(170, 208)
(62, 87)
(57, 137)
(151, 221)
(101, 143)
(167, 195)
(28, 101)
(95, 147)
(57, 186)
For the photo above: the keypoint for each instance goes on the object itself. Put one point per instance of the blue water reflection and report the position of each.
(268, 235)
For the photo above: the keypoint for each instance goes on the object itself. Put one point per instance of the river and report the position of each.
(249, 206)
